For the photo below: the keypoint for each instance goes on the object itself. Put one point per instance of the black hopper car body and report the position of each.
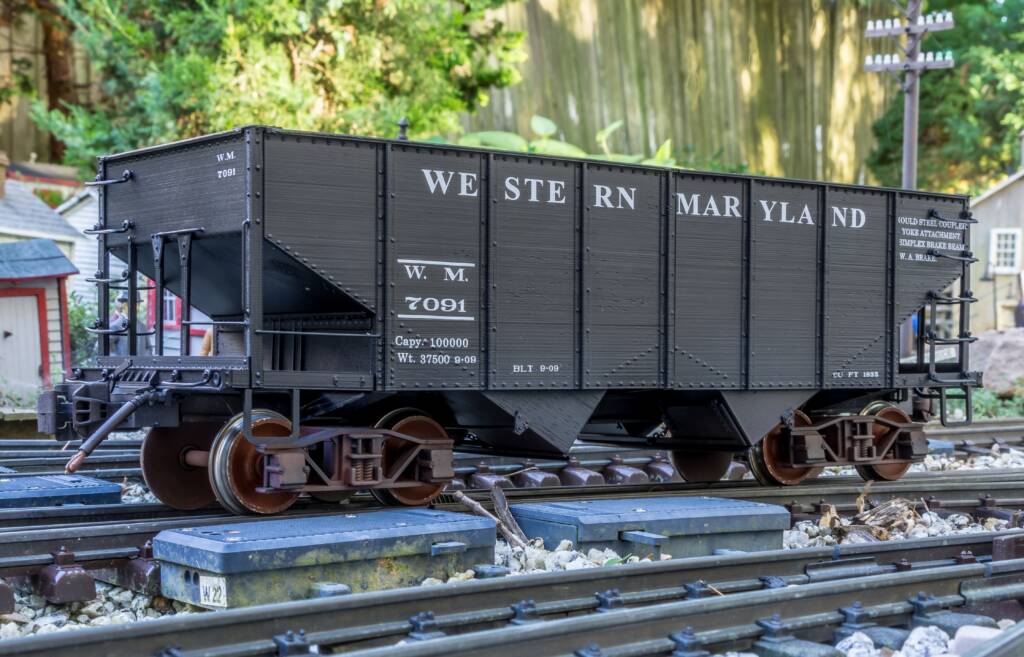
(374, 304)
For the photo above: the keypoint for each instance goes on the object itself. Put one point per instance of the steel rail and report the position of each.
(1009, 429)
(369, 619)
(46, 464)
(113, 474)
(949, 491)
(26, 518)
(98, 541)
(729, 621)
(44, 530)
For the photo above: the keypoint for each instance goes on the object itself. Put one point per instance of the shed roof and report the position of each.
(45, 171)
(80, 197)
(24, 213)
(27, 259)
(998, 187)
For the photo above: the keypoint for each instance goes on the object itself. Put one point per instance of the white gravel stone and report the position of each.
(136, 492)
(123, 597)
(998, 457)
(925, 641)
(969, 637)
(113, 605)
(535, 558)
(807, 533)
(93, 609)
(57, 619)
(858, 644)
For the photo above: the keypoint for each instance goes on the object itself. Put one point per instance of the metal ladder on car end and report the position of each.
(963, 382)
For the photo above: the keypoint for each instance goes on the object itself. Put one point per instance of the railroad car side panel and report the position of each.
(856, 225)
(533, 238)
(784, 285)
(321, 208)
(196, 185)
(622, 229)
(433, 265)
(707, 214)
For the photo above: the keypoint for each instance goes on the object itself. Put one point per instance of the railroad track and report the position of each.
(979, 437)
(104, 536)
(631, 609)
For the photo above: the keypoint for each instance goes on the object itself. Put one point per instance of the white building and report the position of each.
(82, 212)
(998, 243)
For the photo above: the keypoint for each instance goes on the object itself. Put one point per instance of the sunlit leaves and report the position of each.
(542, 126)
(970, 116)
(170, 70)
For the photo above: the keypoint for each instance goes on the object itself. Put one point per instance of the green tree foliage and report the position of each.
(171, 69)
(970, 115)
(81, 313)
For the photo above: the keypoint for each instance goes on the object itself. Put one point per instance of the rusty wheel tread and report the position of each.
(234, 462)
(762, 455)
(883, 471)
(412, 422)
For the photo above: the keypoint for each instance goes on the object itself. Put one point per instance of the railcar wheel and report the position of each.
(412, 423)
(883, 471)
(236, 466)
(766, 458)
(171, 480)
(701, 467)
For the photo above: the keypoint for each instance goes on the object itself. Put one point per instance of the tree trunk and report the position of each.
(60, 83)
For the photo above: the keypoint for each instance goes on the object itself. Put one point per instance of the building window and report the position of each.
(1005, 250)
(170, 308)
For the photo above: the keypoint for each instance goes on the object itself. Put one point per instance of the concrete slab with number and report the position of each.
(680, 527)
(241, 564)
(56, 490)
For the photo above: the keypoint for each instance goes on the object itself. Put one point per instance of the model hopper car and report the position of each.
(372, 305)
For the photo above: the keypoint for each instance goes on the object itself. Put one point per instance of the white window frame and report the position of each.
(994, 235)
(171, 300)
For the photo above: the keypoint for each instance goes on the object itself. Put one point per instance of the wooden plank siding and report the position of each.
(776, 84)
(22, 40)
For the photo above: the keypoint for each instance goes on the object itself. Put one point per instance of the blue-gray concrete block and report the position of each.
(680, 526)
(940, 447)
(56, 490)
(240, 564)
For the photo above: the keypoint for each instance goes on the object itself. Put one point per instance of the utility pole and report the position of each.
(913, 27)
